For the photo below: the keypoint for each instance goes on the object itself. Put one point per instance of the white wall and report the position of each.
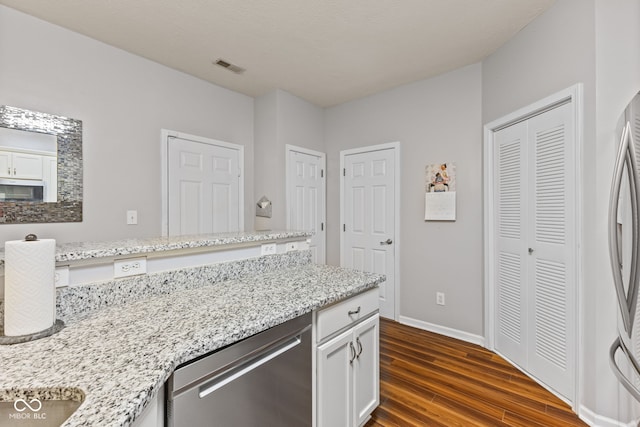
(436, 121)
(580, 41)
(269, 157)
(123, 101)
(281, 119)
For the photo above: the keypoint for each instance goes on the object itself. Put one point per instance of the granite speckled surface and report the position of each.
(90, 250)
(78, 300)
(121, 355)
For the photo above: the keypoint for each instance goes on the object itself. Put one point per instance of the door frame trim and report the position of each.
(288, 179)
(396, 266)
(574, 96)
(166, 134)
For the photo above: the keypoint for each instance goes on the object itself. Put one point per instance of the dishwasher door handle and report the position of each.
(238, 371)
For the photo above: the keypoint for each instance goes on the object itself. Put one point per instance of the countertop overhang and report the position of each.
(88, 251)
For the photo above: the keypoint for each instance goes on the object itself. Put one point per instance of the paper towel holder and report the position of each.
(57, 326)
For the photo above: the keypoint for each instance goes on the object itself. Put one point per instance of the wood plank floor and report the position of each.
(427, 379)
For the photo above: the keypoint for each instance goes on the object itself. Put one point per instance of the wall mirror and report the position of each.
(40, 167)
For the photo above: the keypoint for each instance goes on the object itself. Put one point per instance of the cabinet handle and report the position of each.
(14, 171)
(359, 347)
(352, 312)
(8, 171)
(353, 352)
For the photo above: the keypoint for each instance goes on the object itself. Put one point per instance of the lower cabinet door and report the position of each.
(366, 369)
(335, 381)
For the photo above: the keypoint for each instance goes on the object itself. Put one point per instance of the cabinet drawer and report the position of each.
(345, 313)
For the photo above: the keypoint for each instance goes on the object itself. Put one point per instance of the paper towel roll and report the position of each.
(29, 286)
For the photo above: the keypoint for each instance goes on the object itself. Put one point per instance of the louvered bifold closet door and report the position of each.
(511, 219)
(550, 263)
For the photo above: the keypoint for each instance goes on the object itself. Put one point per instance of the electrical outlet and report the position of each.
(268, 249)
(62, 276)
(129, 267)
(132, 217)
(440, 298)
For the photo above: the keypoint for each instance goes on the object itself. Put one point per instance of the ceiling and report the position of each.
(325, 51)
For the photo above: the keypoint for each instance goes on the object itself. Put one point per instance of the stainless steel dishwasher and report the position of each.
(264, 380)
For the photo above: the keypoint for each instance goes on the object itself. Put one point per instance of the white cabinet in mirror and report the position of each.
(28, 160)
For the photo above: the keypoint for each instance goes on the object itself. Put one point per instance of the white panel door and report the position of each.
(369, 201)
(203, 188)
(535, 247)
(306, 198)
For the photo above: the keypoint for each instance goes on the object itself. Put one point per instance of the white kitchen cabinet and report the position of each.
(20, 165)
(5, 164)
(347, 357)
(153, 414)
(50, 178)
(335, 381)
(366, 369)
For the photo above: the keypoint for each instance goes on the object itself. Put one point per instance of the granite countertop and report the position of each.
(120, 356)
(79, 251)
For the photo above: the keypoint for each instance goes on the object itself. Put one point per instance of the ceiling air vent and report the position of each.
(229, 66)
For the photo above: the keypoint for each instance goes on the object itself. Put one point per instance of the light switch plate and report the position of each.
(292, 246)
(129, 267)
(132, 217)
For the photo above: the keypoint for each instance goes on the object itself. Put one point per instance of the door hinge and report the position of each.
(344, 172)
(344, 227)
(321, 173)
(322, 226)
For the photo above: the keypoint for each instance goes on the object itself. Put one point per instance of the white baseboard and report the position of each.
(442, 330)
(595, 420)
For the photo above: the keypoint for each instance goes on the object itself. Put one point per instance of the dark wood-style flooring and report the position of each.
(427, 379)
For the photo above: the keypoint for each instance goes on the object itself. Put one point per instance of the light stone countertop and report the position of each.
(120, 356)
(79, 251)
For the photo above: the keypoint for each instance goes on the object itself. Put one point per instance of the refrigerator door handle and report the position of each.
(618, 344)
(626, 300)
(634, 187)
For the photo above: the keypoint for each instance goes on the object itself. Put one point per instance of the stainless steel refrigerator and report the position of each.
(624, 249)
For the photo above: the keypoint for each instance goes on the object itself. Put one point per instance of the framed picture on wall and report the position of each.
(440, 192)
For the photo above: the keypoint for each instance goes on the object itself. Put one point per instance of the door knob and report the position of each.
(530, 251)
(387, 242)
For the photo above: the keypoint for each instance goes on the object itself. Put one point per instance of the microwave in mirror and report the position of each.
(21, 190)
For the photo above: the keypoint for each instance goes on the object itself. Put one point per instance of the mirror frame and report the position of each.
(68, 132)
